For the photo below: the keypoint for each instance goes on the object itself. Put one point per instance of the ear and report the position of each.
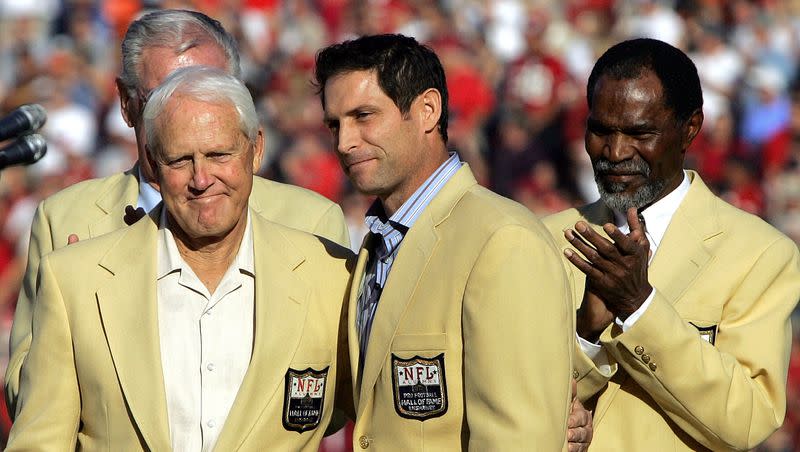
(430, 104)
(693, 127)
(127, 104)
(258, 152)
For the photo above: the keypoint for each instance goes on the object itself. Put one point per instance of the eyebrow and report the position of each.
(641, 127)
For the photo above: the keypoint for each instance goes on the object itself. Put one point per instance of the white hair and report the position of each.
(178, 30)
(204, 84)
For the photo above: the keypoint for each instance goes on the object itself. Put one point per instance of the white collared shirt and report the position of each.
(206, 340)
(657, 218)
(149, 197)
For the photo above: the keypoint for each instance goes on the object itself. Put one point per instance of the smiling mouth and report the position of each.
(350, 165)
(205, 198)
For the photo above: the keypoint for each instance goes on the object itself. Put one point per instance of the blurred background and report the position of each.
(516, 72)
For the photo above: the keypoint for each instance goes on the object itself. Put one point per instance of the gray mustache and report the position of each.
(627, 166)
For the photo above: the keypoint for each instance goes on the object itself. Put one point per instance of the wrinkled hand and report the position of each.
(579, 425)
(616, 269)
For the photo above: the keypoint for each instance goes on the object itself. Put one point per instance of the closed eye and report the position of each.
(597, 129)
(219, 156)
(179, 162)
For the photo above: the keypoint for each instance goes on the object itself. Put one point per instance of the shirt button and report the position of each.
(210, 367)
(575, 374)
(638, 350)
(653, 367)
(645, 358)
(363, 441)
(211, 423)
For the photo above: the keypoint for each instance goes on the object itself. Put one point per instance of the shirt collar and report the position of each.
(170, 260)
(149, 197)
(407, 214)
(659, 214)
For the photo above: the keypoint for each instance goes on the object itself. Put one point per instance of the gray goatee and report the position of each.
(612, 193)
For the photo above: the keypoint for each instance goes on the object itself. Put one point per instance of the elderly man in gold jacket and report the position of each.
(201, 327)
(684, 330)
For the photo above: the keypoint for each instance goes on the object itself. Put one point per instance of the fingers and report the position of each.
(633, 220)
(579, 436)
(632, 243)
(73, 238)
(578, 447)
(598, 251)
(580, 429)
(579, 417)
(603, 246)
(636, 226)
(584, 266)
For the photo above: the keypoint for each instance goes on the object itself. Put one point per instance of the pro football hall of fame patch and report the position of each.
(419, 386)
(303, 399)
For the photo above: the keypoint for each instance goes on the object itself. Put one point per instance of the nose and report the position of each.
(347, 138)
(201, 175)
(617, 147)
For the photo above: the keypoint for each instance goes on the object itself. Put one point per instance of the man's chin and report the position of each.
(620, 202)
(621, 199)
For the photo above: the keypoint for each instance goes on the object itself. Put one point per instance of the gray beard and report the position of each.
(612, 193)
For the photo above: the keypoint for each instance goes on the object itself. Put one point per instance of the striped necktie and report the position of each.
(368, 301)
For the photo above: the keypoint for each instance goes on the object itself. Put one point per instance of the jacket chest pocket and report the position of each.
(705, 319)
(305, 387)
(418, 370)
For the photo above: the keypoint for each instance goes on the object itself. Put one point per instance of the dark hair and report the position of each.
(404, 67)
(677, 73)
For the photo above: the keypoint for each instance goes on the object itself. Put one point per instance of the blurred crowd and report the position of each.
(516, 72)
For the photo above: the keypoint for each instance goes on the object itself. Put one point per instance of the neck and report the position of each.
(671, 186)
(394, 200)
(209, 257)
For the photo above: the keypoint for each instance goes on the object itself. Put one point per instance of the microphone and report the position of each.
(24, 151)
(27, 118)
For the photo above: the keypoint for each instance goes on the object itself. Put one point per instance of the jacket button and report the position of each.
(645, 358)
(575, 374)
(363, 441)
(638, 350)
(653, 367)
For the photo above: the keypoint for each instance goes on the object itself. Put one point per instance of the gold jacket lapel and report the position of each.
(112, 202)
(682, 254)
(129, 312)
(280, 311)
(356, 288)
(411, 262)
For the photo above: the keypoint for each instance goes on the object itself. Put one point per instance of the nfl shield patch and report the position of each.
(420, 390)
(303, 399)
(708, 333)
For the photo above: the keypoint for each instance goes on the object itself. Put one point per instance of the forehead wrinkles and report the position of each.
(628, 101)
(188, 120)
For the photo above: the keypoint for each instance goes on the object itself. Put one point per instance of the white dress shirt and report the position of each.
(657, 218)
(206, 341)
(149, 197)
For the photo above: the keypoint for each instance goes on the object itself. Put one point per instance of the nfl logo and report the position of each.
(303, 399)
(419, 387)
